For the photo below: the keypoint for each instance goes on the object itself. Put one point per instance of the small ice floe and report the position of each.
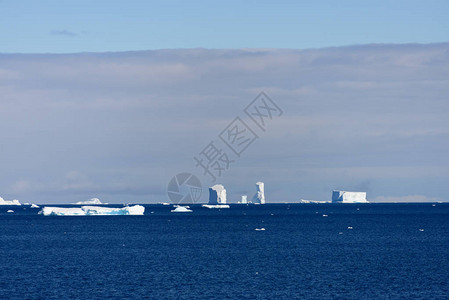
(210, 206)
(421, 229)
(179, 209)
(358, 208)
(434, 205)
(325, 215)
(260, 229)
(165, 203)
(10, 211)
(340, 232)
(34, 206)
(349, 227)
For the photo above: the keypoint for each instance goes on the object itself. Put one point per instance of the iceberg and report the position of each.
(94, 201)
(215, 206)
(179, 209)
(217, 194)
(303, 201)
(348, 197)
(9, 202)
(259, 197)
(10, 211)
(244, 199)
(92, 211)
(34, 206)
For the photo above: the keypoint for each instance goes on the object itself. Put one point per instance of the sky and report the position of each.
(51, 26)
(111, 100)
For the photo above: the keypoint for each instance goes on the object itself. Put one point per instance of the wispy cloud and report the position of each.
(64, 32)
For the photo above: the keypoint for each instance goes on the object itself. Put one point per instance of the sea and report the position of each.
(272, 251)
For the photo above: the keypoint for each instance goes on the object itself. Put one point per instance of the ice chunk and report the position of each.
(303, 201)
(9, 202)
(215, 206)
(181, 209)
(260, 229)
(95, 201)
(10, 211)
(348, 197)
(34, 206)
(92, 211)
(217, 194)
(259, 197)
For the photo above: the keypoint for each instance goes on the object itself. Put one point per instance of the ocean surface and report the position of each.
(307, 251)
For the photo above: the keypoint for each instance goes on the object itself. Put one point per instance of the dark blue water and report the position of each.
(218, 254)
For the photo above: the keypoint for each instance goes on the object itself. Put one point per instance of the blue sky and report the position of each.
(100, 26)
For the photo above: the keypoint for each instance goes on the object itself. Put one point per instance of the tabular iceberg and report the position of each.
(92, 211)
(259, 197)
(217, 194)
(348, 197)
(9, 202)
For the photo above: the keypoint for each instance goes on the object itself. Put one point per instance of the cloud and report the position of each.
(369, 117)
(64, 32)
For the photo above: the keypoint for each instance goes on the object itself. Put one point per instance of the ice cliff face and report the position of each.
(259, 197)
(348, 197)
(217, 194)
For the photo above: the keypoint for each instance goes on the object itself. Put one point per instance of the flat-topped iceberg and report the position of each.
(9, 202)
(217, 194)
(92, 211)
(348, 197)
(94, 201)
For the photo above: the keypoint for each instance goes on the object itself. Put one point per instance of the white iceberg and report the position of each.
(34, 206)
(259, 197)
(217, 194)
(9, 202)
(94, 201)
(348, 197)
(180, 209)
(244, 200)
(303, 201)
(92, 211)
(215, 206)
